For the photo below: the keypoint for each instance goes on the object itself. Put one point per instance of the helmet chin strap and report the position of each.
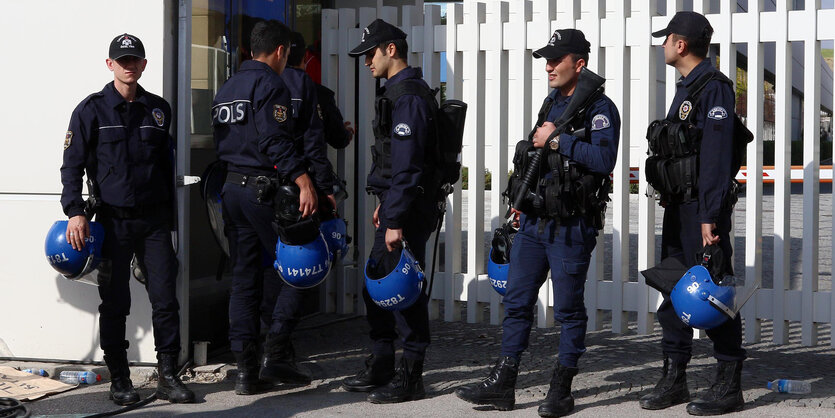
(88, 267)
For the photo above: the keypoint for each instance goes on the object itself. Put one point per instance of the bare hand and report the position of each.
(78, 229)
(375, 218)
(707, 234)
(350, 130)
(394, 239)
(307, 196)
(542, 133)
(515, 214)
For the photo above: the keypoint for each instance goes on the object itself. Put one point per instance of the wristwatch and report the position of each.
(554, 144)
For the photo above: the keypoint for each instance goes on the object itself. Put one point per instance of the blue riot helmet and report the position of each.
(303, 265)
(212, 186)
(705, 297)
(398, 289)
(335, 232)
(499, 260)
(701, 303)
(71, 263)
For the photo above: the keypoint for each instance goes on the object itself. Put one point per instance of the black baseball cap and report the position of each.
(689, 24)
(126, 45)
(564, 42)
(376, 33)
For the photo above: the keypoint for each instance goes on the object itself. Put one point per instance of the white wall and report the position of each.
(53, 57)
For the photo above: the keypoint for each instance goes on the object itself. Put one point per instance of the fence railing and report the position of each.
(488, 63)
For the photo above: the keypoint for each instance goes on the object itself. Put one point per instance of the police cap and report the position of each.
(126, 45)
(689, 24)
(376, 33)
(564, 42)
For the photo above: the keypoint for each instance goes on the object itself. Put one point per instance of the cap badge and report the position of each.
(554, 38)
(127, 42)
(365, 32)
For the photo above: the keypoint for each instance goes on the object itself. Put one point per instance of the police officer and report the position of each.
(400, 178)
(701, 217)
(252, 119)
(119, 137)
(562, 244)
(338, 132)
(309, 138)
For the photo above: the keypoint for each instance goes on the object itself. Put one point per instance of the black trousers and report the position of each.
(251, 245)
(412, 322)
(149, 237)
(682, 238)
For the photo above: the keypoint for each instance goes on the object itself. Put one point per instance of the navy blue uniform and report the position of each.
(682, 233)
(564, 247)
(126, 148)
(335, 133)
(403, 204)
(307, 126)
(252, 119)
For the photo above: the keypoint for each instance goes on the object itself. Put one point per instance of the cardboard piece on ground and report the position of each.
(26, 386)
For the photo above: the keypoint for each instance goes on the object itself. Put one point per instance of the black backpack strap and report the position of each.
(695, 89)
(413, 87)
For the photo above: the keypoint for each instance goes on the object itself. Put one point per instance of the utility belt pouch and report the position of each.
(673, 139)
(521, 158)
(264, 189)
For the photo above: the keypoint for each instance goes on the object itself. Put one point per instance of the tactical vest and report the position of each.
(570, 189)
(672, 167)
(381, 150)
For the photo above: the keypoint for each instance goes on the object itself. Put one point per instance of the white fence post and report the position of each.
(453, 283)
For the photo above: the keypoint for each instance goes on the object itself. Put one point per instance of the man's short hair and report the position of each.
(268, 35)
(400, 45)
(696, 46)
(577, 57)
(297, 49)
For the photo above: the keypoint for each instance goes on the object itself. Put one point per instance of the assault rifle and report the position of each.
(588, 83)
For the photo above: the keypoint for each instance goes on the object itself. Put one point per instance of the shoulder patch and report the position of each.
(717, 113)
(599, 122)
(319, 111)
(159, 116)
(402, 129)
(685, 109)
(280, 113)
(68, 140)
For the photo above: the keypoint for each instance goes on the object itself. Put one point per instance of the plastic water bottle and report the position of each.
(76, 377)
(39, 372)
(790, 386)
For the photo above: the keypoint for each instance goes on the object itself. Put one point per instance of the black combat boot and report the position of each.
(559, 401)
(378, 371)
(169, 385)
(498, 389)
(670, 390)
(406, 385)
(248, 382)
(279, 364)
(724, 395)
(121, 388)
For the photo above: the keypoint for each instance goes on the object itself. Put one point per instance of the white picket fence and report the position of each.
(488, 62)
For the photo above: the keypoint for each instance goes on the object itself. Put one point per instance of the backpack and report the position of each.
(449, 119)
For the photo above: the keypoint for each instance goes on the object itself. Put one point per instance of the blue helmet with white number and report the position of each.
(335, 232)
(701, 303)
(499, 260)
(303, 265)
(71, 263)
(399, 288)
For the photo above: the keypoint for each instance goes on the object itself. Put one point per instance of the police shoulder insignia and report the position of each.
(402, 129)
(68, 139)
(717, 113)
(280, 113)
(159, 117)
(319, 111)
(599, 122)
(685, 109)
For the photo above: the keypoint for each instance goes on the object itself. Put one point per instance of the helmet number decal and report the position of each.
(57, 258)
(406, 269)
(685, 317)
(693, 287)
(392, 301)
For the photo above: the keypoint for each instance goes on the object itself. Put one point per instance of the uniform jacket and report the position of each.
(713, 113)
(124, 146)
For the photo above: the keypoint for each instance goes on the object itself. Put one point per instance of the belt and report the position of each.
(132, 212)
(244, 180)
